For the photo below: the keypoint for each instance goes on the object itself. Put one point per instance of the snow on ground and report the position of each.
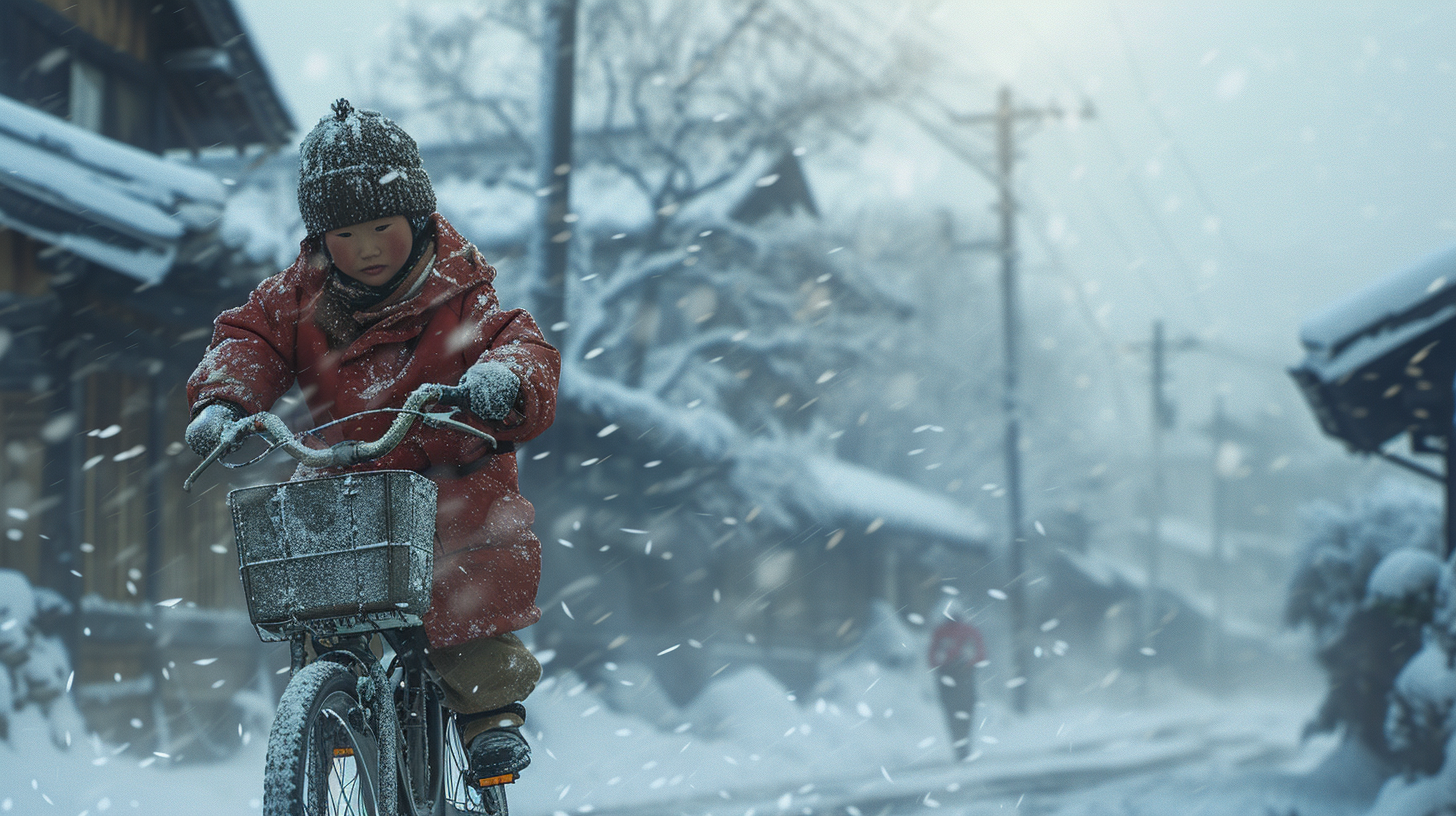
(36, 777)
(1343, 783)
(868, 732)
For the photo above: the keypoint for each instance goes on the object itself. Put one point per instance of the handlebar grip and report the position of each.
(457, 396)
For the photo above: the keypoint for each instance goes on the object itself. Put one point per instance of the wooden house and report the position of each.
(110, 276)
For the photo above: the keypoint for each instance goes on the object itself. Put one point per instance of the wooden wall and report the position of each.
(199, 561)
(125, 25)
(113, 522)
(20, 272)
(21, 457)
(196, 560)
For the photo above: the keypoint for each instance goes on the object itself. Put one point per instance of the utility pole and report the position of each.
(552, 235)
(1161, 419)
(553, 167)
(1161, 416)
(1222, 471)
(1005, 118)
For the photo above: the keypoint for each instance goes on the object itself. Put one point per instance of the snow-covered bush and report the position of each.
(1420, 725)
(1366, 630)
(1343, 545)
(1417, 725)
(34, 666)
(1405, 584)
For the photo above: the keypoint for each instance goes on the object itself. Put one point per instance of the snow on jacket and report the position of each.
(487, 560)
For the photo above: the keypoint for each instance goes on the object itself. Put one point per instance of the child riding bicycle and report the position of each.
(386, 296)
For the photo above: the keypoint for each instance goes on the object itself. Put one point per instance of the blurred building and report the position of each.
(110, 276)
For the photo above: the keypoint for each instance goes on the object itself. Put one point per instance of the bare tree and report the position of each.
(681, 107)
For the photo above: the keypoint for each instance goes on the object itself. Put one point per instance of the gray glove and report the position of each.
(205, 429)
(493, 388)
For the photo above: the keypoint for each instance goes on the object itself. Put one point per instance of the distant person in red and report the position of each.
(955, 649)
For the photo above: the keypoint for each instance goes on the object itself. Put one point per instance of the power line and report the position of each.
(1105, 341)
(1119, 157)
(1194, 179)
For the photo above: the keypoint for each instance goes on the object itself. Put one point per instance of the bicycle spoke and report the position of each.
(345, 785)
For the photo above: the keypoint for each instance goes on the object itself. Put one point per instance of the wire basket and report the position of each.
(336, 555)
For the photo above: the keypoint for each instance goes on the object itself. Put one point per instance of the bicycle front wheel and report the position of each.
(323, 757)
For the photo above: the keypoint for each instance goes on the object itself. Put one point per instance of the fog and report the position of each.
(777, 474)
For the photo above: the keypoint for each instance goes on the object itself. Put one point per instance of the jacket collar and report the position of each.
(457, 267)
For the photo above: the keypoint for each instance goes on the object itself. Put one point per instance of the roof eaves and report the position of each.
(270, 116)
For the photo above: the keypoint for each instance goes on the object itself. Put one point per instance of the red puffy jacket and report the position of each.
(487, 560)
(948, 645)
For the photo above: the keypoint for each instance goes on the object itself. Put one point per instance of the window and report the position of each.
(88, 95)
(128, 114)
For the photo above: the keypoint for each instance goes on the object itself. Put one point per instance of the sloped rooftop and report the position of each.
(113, 204)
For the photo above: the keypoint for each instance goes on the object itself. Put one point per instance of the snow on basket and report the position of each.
(349, 553)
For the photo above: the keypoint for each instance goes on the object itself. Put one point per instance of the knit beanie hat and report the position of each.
(356, 166)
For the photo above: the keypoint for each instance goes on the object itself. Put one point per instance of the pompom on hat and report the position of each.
(356, 166)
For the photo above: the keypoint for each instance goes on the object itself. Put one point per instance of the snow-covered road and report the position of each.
(872, 744)
(1031, 774)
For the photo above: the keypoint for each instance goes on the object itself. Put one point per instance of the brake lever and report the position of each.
(443, 420)
(228, 442)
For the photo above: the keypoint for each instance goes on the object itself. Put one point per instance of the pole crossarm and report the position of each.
(1053, 111)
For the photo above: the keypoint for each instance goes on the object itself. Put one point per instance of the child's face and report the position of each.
(373, 251)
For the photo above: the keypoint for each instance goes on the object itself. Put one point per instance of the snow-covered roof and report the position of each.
(762, 173)
(706, 434)
(1401, 303)
(1377, 359)
(868, 496)
(837, 489)
(114, 204)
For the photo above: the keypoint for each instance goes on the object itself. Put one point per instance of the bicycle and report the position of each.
(331, 562)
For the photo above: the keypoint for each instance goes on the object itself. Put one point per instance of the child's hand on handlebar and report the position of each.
(205, 431)
(492, 389)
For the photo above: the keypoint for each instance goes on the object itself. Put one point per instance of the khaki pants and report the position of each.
(486, 673)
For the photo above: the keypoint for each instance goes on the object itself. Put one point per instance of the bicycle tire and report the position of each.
(323, 759)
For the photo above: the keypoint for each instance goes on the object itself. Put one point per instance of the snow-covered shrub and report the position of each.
(34, 666)
(1421, 722)
(1363, 639)
(1418, 722)
(1414, 586)
(1405, 584)
(1342, 547)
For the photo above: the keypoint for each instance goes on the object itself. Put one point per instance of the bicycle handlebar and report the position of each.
(348, 452)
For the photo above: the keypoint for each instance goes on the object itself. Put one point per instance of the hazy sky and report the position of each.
(1250, 161)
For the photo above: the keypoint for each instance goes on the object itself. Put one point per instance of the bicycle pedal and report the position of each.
(497, 780)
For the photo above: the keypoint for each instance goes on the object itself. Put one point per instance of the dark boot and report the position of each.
(498, 753)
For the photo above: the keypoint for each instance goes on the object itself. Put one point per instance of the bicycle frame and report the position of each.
(393, 718)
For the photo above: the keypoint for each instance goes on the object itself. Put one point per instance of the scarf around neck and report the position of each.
(347, 307)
